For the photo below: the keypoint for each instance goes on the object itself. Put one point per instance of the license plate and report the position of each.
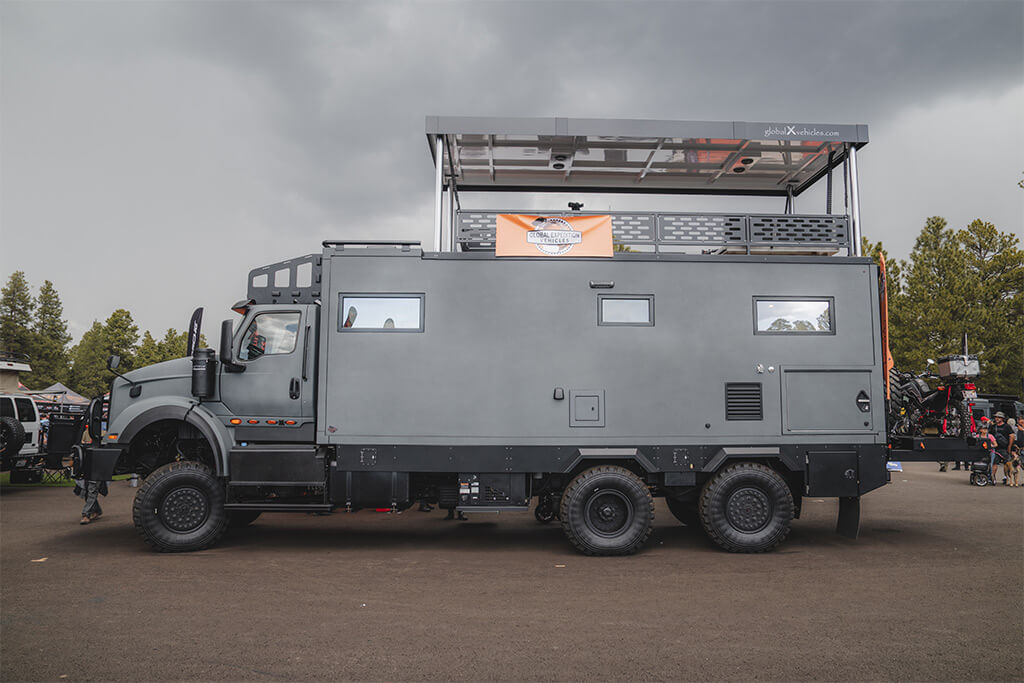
(970, 393)
(20, 463)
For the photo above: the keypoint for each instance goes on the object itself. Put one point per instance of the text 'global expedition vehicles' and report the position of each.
(730, 362)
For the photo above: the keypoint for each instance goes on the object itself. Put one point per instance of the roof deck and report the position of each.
(615, 156)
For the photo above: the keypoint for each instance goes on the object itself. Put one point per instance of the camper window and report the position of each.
(793, 315)
(380, 313)
(625, 310)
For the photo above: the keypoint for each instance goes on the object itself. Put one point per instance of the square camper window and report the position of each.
(380, 313)
(269, 334)
(625, 310)
(794, 315)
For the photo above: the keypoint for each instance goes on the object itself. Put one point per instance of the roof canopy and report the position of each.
(636, 156)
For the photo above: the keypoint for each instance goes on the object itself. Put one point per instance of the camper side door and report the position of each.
(276, 345)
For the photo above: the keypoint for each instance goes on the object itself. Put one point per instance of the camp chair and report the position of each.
(56, 468)
(65, 431)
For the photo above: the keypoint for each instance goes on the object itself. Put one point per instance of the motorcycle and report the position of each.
(918, 410)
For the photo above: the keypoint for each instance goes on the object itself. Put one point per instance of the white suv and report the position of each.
(19, 431)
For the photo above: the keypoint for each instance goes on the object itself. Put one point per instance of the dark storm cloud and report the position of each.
(257, 129)
(351, 83)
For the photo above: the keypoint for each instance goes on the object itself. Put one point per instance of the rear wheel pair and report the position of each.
(745, 508)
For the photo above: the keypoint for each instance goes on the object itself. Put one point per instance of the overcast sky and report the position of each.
(152, 153)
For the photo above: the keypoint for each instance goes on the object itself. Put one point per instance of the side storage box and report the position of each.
(369, 489)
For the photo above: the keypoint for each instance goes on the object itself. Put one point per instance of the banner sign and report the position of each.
(194, 326)
(522, 235)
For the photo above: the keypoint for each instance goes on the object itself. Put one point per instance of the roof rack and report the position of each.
(476, 154)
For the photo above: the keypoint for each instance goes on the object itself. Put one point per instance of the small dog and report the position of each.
(1012, 468)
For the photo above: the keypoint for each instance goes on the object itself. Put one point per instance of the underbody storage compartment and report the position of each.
(369, 489)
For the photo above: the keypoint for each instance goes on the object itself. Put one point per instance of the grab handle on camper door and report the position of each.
(293, 388)
(305, 354)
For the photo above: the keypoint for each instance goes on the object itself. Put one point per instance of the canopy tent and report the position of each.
(59, 395)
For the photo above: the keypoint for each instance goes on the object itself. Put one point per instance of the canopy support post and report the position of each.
(854, 202)
(828, 185)
(438, 188)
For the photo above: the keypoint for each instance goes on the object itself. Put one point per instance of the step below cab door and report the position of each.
(276, 345)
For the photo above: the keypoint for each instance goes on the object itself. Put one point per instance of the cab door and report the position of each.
(277, 347)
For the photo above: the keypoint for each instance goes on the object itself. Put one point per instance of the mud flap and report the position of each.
(848, 523)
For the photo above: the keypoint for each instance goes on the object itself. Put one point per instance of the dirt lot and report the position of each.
(412, 597)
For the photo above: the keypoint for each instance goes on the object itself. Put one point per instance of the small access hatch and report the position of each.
(587, 408)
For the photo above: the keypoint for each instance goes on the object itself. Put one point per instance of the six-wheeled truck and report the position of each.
(731, 363)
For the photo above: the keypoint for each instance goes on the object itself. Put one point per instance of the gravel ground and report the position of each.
(931, 591)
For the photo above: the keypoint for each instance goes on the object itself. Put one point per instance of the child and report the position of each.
(993, 455)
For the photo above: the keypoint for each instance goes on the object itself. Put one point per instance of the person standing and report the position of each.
(90, 491)
(1005, 438)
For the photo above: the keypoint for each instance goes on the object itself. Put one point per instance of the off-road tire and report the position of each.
(607, 510)
(241, 518)
(12, 437)
(180, 507)
(685, 512)
(746, 508)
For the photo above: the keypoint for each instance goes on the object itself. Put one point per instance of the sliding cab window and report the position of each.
(269, 334)
(380, 313)
(794, 315)
(616, 309)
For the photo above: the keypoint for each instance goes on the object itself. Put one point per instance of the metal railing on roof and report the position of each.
(670, 231)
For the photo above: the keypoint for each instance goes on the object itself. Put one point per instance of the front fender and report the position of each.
(140, 415)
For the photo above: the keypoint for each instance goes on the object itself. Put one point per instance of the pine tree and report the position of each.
(931, 308)
(149, 351)
(50, 361)
(89, 374)
(174, 344)
(122, 338)
(994, 277)
(16, 306)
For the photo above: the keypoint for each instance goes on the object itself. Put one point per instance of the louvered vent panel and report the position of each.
(743, 401)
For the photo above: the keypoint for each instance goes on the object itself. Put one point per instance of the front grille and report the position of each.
(743, 401)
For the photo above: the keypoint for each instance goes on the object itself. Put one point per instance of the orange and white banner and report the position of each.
(521, 235)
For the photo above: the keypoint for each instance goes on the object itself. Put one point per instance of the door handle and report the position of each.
(293, 388)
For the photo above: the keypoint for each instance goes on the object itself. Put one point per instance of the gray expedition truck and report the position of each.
(729, 362)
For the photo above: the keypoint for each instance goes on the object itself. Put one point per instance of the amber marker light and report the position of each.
(271, 422)
(254, 422)
(112, 437)
(289, 422)
(235, 421)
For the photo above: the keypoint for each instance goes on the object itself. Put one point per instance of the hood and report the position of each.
(177, 368)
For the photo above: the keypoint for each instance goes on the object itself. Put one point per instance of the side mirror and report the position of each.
(227, 357)
(113, 362)
(94, 417)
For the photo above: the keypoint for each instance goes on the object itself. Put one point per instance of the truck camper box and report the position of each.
(579, 363)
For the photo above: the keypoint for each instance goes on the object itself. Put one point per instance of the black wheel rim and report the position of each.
(184, 509)
(608, 513)
(748, 509)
